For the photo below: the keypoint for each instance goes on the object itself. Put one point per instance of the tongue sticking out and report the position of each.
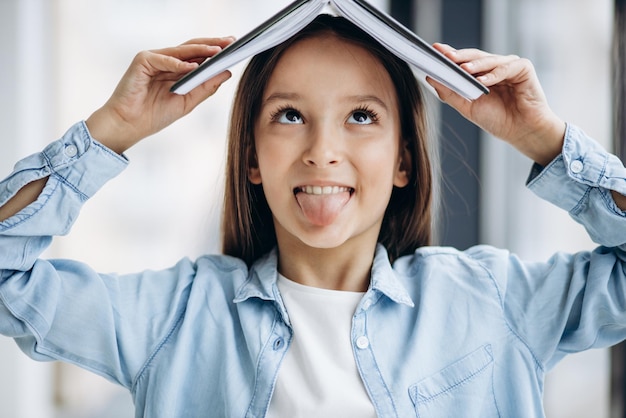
(322, 209)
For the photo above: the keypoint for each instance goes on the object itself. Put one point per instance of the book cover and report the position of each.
(294, 17)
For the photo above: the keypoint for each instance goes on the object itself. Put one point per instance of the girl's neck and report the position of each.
(342, 268)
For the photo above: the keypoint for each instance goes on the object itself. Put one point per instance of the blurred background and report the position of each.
(61, 59)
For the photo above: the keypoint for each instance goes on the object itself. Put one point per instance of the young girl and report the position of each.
(328, 301)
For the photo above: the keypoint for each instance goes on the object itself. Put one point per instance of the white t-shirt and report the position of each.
(318, 376)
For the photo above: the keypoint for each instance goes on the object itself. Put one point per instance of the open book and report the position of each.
(390, 33)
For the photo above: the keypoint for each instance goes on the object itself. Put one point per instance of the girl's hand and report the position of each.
(142, 103)
(515, 110)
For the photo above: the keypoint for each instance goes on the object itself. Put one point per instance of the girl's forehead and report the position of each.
(327, 45)
(329, 59)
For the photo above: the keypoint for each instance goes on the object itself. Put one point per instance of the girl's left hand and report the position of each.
(515, 110)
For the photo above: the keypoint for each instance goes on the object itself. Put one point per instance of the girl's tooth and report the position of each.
(319, 190)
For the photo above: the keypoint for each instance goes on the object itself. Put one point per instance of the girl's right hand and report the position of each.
(142, 103)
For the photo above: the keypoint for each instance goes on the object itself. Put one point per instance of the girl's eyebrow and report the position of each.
(356, 98)
(370, 98)
(281, 96)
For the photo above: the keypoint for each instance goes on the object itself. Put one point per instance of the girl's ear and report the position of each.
(254, 174)
(403, 170)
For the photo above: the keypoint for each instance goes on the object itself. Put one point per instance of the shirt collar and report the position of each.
(261, 282)
(385, 279)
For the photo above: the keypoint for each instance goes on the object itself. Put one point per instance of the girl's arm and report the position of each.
(61, 309)
(27, 195)
(573, 302)
(141, 105)
(620, 199)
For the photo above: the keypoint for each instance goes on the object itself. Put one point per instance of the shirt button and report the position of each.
(367, 304)
(362, 342)
(576, 166)
(71, 150)
(278, 343)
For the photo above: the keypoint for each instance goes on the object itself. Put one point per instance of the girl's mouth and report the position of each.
(322, 190)
(321, 205)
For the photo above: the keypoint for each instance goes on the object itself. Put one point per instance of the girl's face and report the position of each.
(328, 144)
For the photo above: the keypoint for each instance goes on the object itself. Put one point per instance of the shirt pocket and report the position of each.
(464, 388)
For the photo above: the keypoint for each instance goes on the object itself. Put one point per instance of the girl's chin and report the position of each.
(331, 240)
(335, 236)
(319, 243)
(316, 238)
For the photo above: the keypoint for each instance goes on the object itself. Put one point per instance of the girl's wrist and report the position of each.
(104, 128)
(553, 139)
(545, 143)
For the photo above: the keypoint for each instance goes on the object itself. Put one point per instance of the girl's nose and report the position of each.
(323, 147)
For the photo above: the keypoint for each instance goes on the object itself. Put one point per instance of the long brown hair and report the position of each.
(247, 224)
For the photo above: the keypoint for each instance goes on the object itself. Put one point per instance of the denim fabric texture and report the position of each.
(440, 333)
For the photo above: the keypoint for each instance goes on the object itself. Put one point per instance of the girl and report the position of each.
(329, 301)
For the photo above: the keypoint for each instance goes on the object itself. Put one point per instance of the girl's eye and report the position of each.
(362, 117)
(288, 116)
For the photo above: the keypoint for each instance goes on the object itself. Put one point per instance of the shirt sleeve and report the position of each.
(62, 309)
(580, 181)
(572, 302)
(76, 166)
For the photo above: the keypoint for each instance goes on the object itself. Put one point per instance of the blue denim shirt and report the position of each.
(449, 333)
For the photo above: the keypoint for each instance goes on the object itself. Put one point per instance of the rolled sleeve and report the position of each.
(76, 166)
(580, 181)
